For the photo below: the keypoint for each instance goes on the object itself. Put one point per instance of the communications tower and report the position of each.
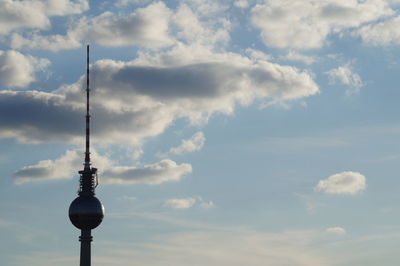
(86, 212)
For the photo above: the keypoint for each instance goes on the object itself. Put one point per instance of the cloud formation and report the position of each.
(65, 7)
(154, 26)
(297, 57)
(383, 33)
(152, 174)
(306, 24)
(44, 117)
(141, 98)
(342, 183)
(62, 168)
(67, 165)
(345, 75)
(195, 143)
(35, 14)
(202, 22)
(146, 27)
(53, 43)
(20, 14)
(336, 230)
(18, 70)
(182, 203)
(186, 203)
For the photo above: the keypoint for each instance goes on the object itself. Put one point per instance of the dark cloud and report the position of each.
(132, 101)
(200, 80)
(163, 171)
(38, 116)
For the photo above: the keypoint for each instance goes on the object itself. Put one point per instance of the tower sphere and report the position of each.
(86, 212)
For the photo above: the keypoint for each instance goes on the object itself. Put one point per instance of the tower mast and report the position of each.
(86, 212)
(87, 152)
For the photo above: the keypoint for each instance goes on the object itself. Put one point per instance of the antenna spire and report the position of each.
(87, 152)
(88, 181)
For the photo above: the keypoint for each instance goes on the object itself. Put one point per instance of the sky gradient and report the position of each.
(235, 132)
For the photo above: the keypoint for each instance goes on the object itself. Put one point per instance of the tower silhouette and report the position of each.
(86, 212)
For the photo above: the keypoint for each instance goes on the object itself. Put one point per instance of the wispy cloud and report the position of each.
(194, 143)
(221, 248)
(298, 57)
(186, 203)
(346, 76)
(182, 203)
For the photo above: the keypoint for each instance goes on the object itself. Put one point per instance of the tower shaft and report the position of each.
(85, 239)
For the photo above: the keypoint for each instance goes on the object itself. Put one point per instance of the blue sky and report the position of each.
(232, 132)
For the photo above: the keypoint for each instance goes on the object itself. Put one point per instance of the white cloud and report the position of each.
(62, 168)
(336, 230)
(207, 8)
(306, 24)
(35, 14)
(21, 14)
(386, 32)
(202, 22)
(342, 183)
(38, 42)
(241, 3)
(66, 167)
(65, 7)
(345, 75)
(258, 55)
(195, 143)
(183, 203)
(136, 153)
(146, 27)
(122, 3)
(197, 25)
(18, 70)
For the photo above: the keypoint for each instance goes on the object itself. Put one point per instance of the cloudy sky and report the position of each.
(231, 132)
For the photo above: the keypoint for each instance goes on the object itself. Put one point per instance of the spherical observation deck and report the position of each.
(86, 212)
